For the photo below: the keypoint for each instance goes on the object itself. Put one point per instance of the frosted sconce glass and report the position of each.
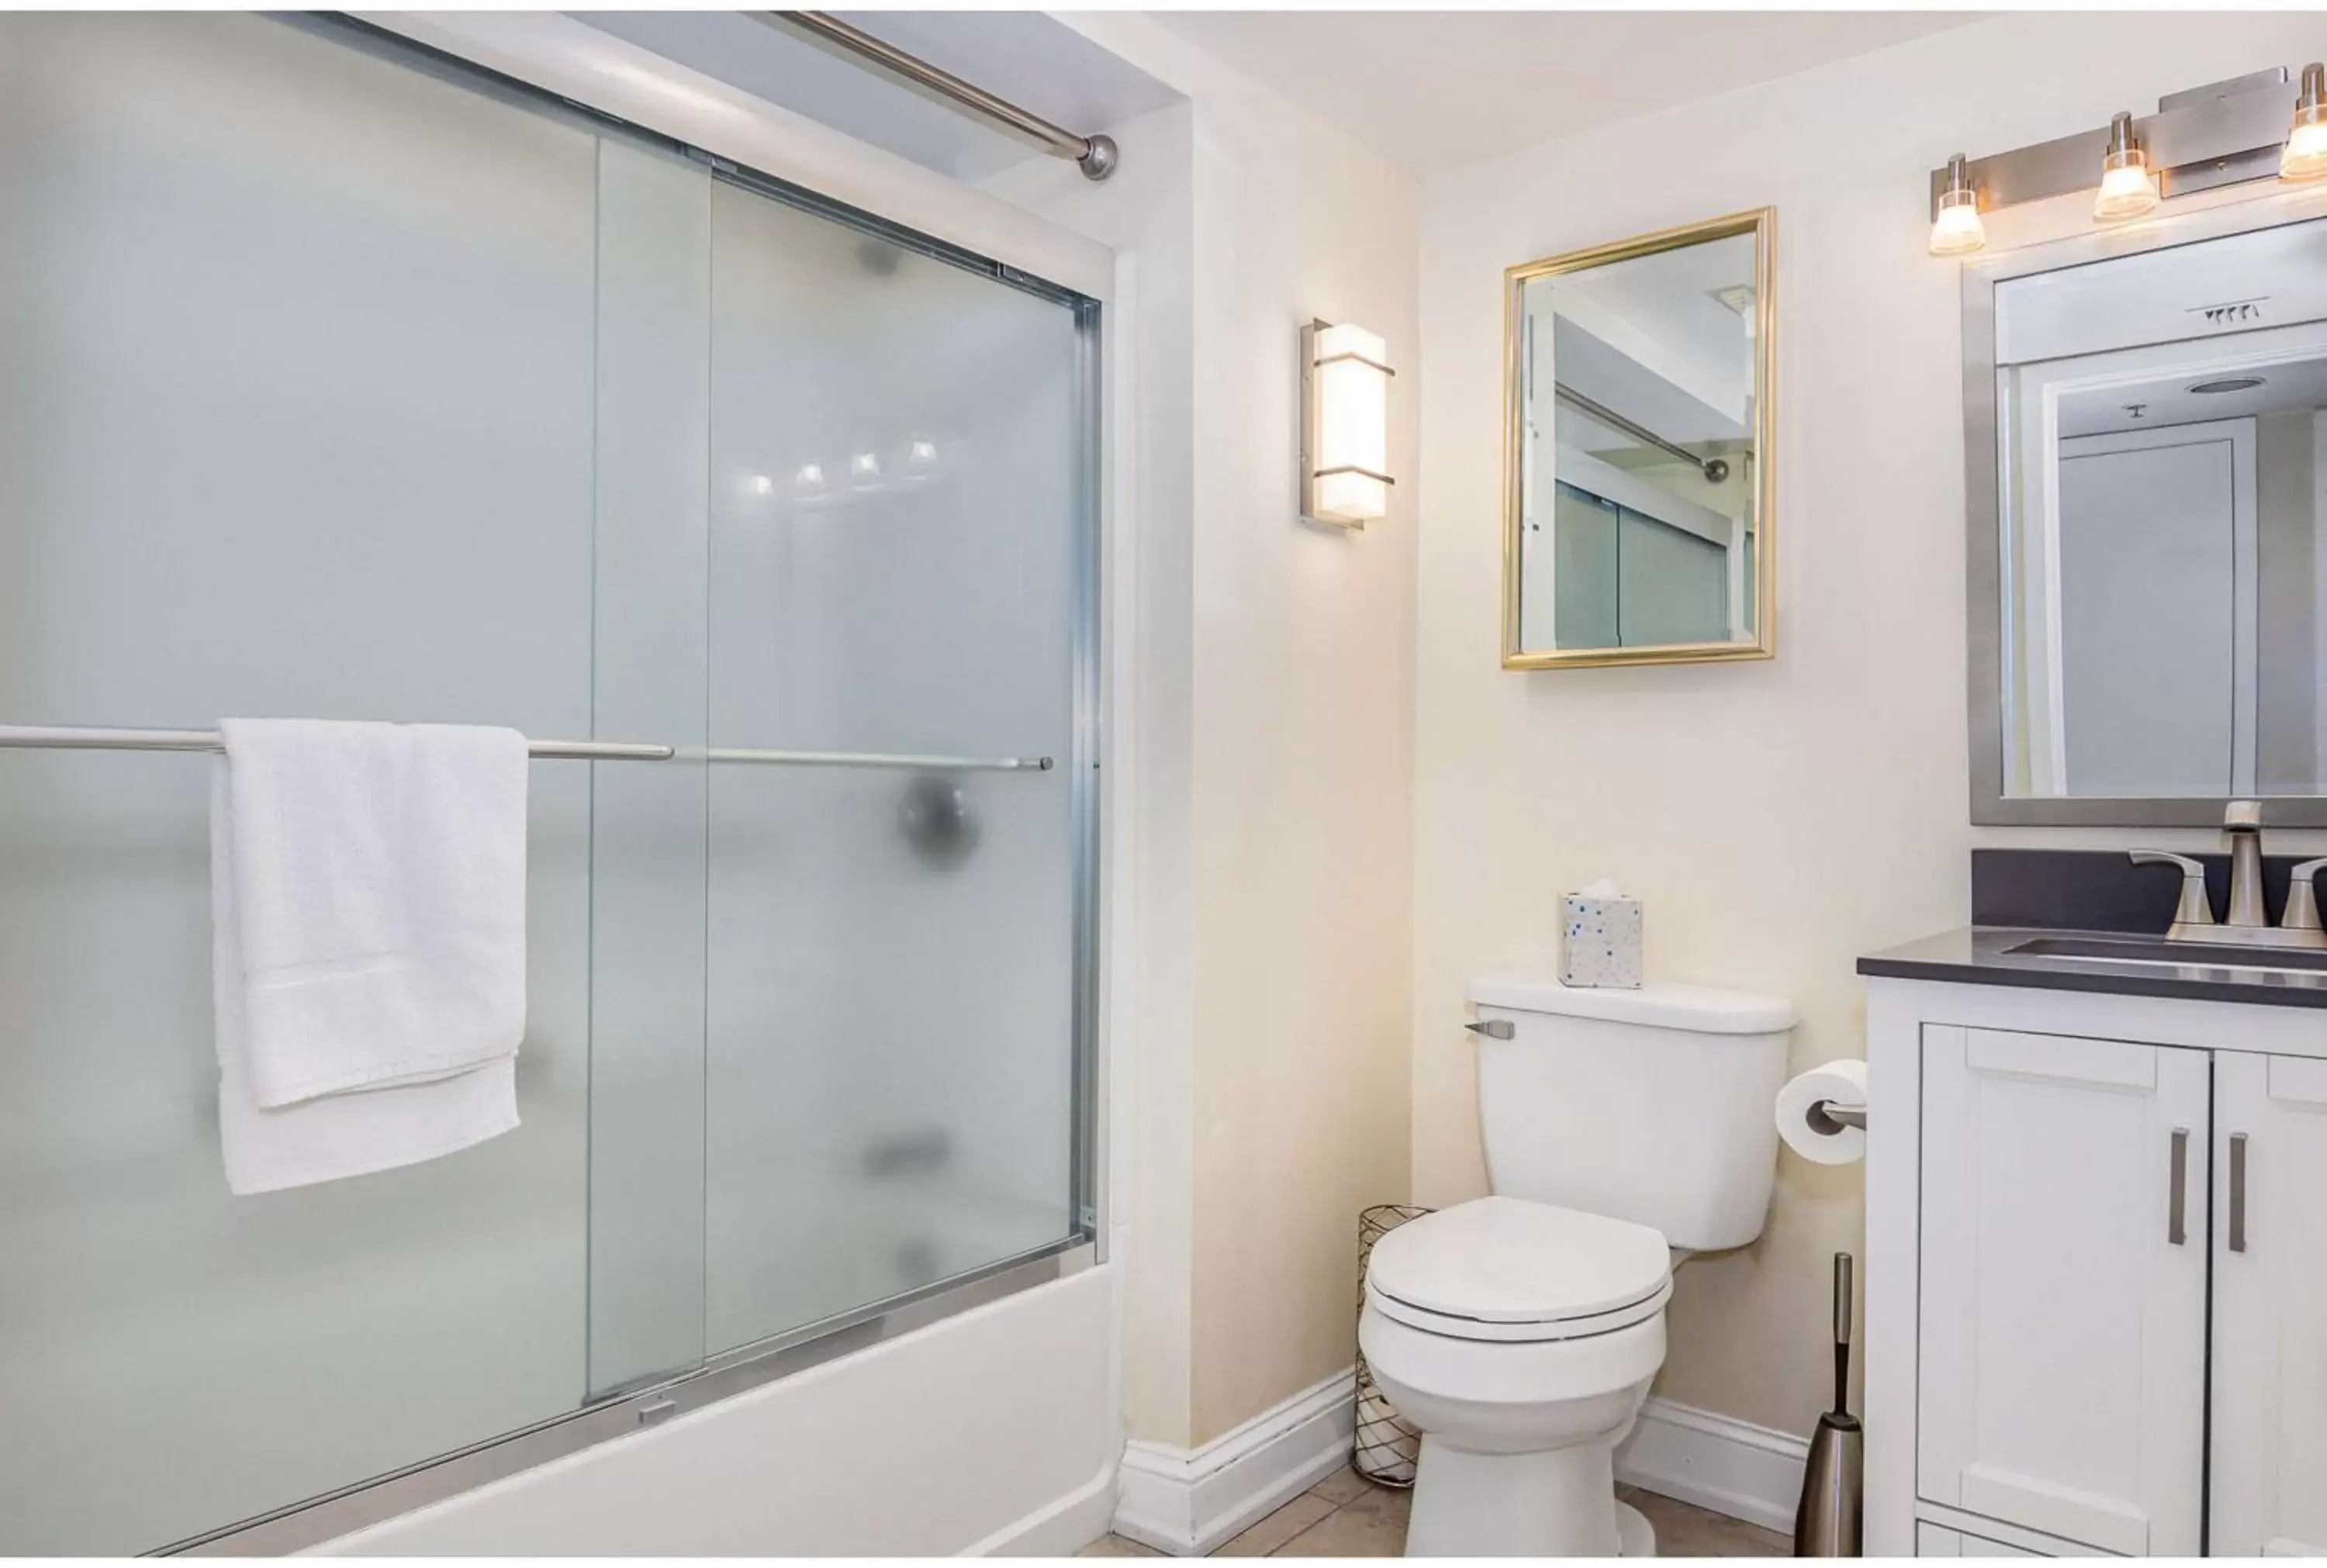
(1957, 230)
(1345, 425)
(2126, 190)
(2305, 154)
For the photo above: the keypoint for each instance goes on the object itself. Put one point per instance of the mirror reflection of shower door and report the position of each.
(900, 500)
(2155, 588)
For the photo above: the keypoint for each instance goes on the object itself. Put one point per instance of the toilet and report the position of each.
(1519, 1332)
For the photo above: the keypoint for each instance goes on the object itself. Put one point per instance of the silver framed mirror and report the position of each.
(1639, 433)
(2145, 455)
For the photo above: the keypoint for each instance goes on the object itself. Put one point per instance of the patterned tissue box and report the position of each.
(1600, 942)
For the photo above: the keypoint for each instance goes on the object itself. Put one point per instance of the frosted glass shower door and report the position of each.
(900, 502)
(295, 418)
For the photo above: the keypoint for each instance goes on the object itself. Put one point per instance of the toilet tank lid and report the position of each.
(1664, 1006)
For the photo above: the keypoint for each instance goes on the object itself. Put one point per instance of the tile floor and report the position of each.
(1346, 1516)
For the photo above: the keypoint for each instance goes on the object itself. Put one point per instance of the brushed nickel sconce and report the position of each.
(1344, 425)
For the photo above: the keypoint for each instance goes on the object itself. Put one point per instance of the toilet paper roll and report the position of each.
(1845, 1083)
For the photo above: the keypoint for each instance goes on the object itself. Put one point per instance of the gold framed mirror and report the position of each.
(1639, 433)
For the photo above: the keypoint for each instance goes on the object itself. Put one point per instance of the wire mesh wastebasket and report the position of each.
(1384, 1449)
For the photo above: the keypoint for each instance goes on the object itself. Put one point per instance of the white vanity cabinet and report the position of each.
(2097, 1274)
(2270, 1306)
(2062, 1382)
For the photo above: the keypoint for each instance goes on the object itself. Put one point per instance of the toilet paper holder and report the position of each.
(1826, 1118)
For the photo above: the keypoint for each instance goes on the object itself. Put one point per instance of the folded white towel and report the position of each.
(368, 893)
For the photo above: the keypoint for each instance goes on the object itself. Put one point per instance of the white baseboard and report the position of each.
(1731, 1467)
(1188, 1501)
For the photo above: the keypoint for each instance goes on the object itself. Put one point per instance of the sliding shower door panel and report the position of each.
(898, 466)
(294, 419)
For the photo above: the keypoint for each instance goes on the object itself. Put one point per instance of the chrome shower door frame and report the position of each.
(546, 62)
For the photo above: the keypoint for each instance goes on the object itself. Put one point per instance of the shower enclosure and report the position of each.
(340, 380)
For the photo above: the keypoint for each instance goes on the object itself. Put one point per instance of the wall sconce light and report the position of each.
(2305, 157)
(1344, 425)
(1956, 228)
(2127, 189)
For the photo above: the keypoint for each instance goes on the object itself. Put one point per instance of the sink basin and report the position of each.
(2174, 955)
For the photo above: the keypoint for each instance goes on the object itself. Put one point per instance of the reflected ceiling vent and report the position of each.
(2225, 384)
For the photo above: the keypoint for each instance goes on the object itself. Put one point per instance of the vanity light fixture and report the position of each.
(2266, 124)
(1344, 425)
(2306, 155)
(2127, 190)
(1956, 228)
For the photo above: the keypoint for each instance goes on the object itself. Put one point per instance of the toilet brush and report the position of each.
(1827, 1524)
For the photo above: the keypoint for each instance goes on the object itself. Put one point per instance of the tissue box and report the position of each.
(1600, 942)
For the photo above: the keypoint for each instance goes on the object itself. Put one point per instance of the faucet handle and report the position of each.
(2195, 910)
(2302, 912)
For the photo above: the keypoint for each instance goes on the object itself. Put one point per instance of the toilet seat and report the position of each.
(1502, 1268)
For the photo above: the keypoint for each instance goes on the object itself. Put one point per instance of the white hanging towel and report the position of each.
(368, 909)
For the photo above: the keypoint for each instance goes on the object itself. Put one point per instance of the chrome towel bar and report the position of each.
(63, 738)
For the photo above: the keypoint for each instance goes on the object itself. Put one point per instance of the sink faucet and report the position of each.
(2246, 922)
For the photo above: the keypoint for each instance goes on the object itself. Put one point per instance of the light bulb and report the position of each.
(2127, 189)
(2305, 157)
(761, 485)
(863, 468)
(1955, 229)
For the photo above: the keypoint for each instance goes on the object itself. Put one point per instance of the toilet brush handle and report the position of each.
(1842, 1316)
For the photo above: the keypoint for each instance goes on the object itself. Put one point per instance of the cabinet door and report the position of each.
(2270, 1306)
(2061, 1382)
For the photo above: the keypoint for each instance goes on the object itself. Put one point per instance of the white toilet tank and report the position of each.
(1652, 1106)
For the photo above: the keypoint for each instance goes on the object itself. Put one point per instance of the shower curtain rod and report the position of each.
(1716, 469)
(1095, 155)
(58, 738)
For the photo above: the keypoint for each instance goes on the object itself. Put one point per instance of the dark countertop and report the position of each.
(1979, 955)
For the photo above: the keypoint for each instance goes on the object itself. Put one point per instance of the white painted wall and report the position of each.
(1275, 817)
(1838, 824)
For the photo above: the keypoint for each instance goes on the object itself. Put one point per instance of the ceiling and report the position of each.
(1431, 91)
(2288, 387)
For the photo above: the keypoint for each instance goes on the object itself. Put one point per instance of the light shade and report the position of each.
(1956, 230)
(2305, 155)
(2128, 189)
(1346, 469)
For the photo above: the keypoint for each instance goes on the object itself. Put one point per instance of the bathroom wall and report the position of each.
(1778, 818)
(1275, 743)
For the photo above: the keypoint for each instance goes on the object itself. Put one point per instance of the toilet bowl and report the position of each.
(1520, 1338)
(1519, 1332)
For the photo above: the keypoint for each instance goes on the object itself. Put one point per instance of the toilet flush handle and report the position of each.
(1492, 1028)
